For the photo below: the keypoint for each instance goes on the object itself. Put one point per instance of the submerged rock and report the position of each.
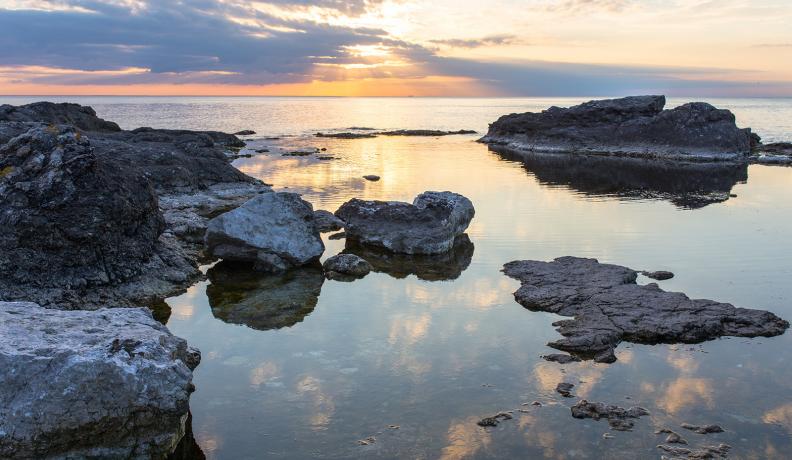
(565, 389)
(658, 275)
(619, 418)
(609, 307)
(275, 231)
(703, 429)
(326, 221)
(112, 383)
(433, 267)
(561, 358)
(631, 126)
(427, 226)
(705, 452)
(239, 295)
(687, 185)
(494, 420)
(346, 267)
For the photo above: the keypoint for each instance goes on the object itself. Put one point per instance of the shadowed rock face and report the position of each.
(427, 226)
(632, 126)
(240, 295)
(434, 267)
(69, 219)
(688, 185)
(609, 307)
(81, 117)
(111, 383)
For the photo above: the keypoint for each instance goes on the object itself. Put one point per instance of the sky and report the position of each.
(396, 47)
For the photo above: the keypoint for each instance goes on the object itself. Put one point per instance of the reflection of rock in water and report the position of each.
(435, 267)
(687, 185)
(261, 301)
(188, 448)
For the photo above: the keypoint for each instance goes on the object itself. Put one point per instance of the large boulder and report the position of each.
(630, 126)
(607, 306)
(427, 226)
(111, 383)
(275, 231)
(81, 117)
(68, 219)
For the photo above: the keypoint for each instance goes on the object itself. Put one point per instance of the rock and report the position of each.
(561, 358)
(427, 226)
(245, 132)
(658, 275)
(346, 267)
(703, 429)
(565, 389)
(631, 126)
(276, 231)
(494, 420)
(619, 419)
(674, 438)
(705, 452)
(346, 135)
(79, 116)
(424, 132)
(326, 221)
(337, 236)
(608, 307)
(779, 153)
(68, 220)
(432, 267)
(112, 383)
(371, 177)
(240, 295)
(687, 185)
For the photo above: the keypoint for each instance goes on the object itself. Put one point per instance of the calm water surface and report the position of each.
(415, 354)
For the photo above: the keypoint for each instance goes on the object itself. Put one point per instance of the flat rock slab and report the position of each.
(619, 418)
(110, 383)
(609, 307)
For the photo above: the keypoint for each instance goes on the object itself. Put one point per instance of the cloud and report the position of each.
(491, 40)
(580, 6)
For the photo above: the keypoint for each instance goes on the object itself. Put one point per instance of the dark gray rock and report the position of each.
(432, 267)
(609, 307)
(240, 295)
(673, 437)
(704, 452)
(275, 231)
(494, 420)
(371, 177)
(619, 418)
(326, 221)
(565, 389)
(632, 126)
(337, 236)
(427, 226)
(346, 135)
(703, 429)
(346, 267)
(561, 358)
(658, 275)
(81, 117)
(686, 184)
(245, 132)
(779, 153)
(112, 383)
(424, 132)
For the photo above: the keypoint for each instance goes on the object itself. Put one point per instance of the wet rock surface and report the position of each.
(561, 358)
(275, 231)
(565, 389)
(346, 267)
(687, 185)
(659, 275)
(779, 153)
(427, 226)
(434, 267)
(111, 383)
(494, 420)
(631, 126)
(326, 221)
(703, 429)
(705, 452)
(673, 437)
(619, 418)
(240, 295)
(609, 307)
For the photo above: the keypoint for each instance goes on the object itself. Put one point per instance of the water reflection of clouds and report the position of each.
(464, 439)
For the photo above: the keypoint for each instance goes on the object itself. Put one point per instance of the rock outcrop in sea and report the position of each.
(635, 126)
(608, 307)
(274, 231)
(427, 226)
(93, 215)
(111, 383)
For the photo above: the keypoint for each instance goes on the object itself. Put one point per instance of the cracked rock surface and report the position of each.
(608, 307)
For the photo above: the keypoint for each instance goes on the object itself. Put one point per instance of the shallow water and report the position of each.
(297, 366)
